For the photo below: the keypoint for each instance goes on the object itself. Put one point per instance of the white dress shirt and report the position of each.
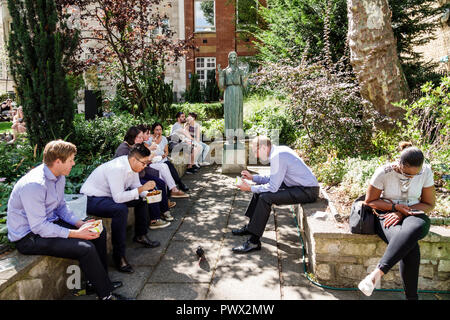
(114, 179)
(285, 167)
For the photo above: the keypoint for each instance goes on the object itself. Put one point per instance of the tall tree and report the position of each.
(374, 55)
(133, 39)
(285, 27)
(413, 24)
(38, 46)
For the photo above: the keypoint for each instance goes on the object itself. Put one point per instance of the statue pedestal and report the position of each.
(234, 158)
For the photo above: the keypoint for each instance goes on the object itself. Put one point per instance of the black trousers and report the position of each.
(403, 247)
(91, 255)
(105, 207)
(261, 204)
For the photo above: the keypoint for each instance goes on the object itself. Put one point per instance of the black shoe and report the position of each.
(191, 170)
(116, 296)
(183, 187)
(90, 288)
(247, 247)
(196, 167)
(241, 232)
(146, 242)
(122, 265)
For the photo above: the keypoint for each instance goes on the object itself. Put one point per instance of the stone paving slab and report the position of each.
(133, 282)
(267, 256)
(244, 282)
(180, 264)
(201, 231)
(174, 291)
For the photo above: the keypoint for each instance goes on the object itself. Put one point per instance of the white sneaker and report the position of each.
(366, 285)
(205, 163)
(158, 224)
(167, 216)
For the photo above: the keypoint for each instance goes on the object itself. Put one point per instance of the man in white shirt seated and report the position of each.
(113, 187)
(291, 181)
(182, 140)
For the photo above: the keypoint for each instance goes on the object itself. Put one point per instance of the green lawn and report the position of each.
(5, 126)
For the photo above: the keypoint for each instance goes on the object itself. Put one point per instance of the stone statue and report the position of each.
(232, 79)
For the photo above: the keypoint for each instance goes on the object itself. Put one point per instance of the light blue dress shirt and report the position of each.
(37, 201)
(285, 166)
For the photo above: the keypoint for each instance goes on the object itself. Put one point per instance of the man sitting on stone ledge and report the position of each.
(113, 187)
(40, 223)
(290, 182)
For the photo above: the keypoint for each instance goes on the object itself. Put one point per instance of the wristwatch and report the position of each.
(393, 207)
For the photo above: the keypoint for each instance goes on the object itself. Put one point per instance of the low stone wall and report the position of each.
(33, 277)
(342, 259)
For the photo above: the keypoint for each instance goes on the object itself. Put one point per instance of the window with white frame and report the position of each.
(203, 65)
(205, 15)
(246, 13)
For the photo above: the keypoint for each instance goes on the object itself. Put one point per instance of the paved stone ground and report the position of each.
(215, 207)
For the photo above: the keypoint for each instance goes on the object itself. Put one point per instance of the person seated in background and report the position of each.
(156, 139)
(39, 221)
(166, 174)
(113, 187)
(133, 136)
(147, 133)
(409, 184)
(181, 140)
(18, 124)
(195, 131)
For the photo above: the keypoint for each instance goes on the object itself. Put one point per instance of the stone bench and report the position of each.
(341, 259)
(24, 277)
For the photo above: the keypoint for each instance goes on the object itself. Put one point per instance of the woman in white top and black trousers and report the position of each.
(409, 184)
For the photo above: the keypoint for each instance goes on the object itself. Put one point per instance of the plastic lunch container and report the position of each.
(152, 198)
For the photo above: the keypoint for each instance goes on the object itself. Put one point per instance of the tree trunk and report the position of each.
(373, 55)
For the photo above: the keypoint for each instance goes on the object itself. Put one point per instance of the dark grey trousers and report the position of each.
(261, 204)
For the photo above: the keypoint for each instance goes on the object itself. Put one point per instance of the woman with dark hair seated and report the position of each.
(133, 136)
(160, 147)
(409, 184)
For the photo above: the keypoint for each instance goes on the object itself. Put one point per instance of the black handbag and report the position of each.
(362, 217)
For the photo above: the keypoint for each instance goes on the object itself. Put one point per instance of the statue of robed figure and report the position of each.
(233, 80)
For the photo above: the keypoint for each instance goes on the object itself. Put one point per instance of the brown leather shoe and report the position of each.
(179, 194)
(171, 204)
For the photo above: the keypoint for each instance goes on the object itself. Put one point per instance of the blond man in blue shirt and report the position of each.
(40, 223)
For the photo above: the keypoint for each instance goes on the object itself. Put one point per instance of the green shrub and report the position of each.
(330, 172)
(427, 125)
(17, 159)
(325, 102)
(269, 116)
(101, 136)
(358, 173)
(194, 92)
(213, 128)
(351, 174)
(212, 91)
(204, 111)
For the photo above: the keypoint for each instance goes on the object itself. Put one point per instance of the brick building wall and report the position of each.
(218, 43)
